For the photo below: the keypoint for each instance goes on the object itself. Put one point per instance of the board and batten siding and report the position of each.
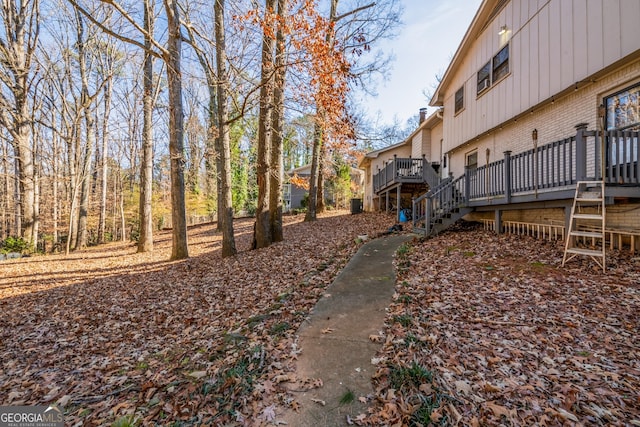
(421, 144)
(553, 121)
(436, 138)
(554, 45)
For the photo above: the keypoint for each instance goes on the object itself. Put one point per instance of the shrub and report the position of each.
(14, 244)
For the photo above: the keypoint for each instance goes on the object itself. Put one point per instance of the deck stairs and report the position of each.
(586, 232)
(440, 207)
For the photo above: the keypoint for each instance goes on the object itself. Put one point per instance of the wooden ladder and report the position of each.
(587, 222)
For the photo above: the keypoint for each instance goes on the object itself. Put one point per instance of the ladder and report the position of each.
(587, 224)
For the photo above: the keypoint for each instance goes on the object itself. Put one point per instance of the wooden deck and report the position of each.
(544, 176)
(405, 171)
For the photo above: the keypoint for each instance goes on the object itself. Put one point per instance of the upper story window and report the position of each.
(494, 70)
(459, 100)
(484, 77)
(501, 64)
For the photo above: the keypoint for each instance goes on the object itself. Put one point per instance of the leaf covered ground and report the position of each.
(108, 334)
(483, 330)
(491, 330)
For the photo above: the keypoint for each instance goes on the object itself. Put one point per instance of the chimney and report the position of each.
(423, 115)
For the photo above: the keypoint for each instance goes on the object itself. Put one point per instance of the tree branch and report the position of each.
(107, 30)
(353, 12)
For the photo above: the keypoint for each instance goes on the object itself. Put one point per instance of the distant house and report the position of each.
(538, 96)
(396, 173)
(294, 195)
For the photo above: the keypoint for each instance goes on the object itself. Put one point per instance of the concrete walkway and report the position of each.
(335, 341)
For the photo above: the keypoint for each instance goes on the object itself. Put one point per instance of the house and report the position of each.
(400, 172)
(295, 194)
(538, 96)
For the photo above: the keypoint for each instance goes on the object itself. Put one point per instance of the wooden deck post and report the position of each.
(467, 183)
(387, 201)
(567, 220)
(427, 216)
(581, 152)
(498, 221)
(507, 176)
(395, 166)
(398, 203)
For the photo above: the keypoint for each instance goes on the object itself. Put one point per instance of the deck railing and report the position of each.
(621, 157)
(551, 167)
(405, 170)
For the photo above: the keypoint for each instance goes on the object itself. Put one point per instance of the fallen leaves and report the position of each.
(108, 332)
(509, 336)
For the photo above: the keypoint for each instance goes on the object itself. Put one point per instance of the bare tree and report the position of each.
(223, 144)
(145, 242)
(87, 109)
(276, 166)
(21, 24)
(262, 231)
(351, 34)
(171, 55)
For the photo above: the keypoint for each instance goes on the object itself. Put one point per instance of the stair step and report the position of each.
(587, 216)
(587, 199)
(583, 251)
(594, 234)
(596, 195)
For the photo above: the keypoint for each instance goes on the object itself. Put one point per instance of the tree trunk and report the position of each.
(223, 148)
(36, 193)
(212, 159)
(54, 190)
(104, 167)
(262, 231)
(6, 229)
(26, 170)
(320, 205)
(19, 24)
(277, 172)
(316, 195)
(123, 222)
(87, 152)
(313, 179)
(85, 183)
(180, 248)
(72, 162)
(145, 241)
(17, 195)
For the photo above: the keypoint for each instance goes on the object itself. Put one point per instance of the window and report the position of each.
(493, 70)
(472, 160)
(501, 64)
(623, 109)
(459, 100)
(484, 77)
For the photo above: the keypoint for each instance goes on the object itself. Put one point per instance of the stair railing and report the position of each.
(440, 202)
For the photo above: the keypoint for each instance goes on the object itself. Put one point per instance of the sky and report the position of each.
(424, 47)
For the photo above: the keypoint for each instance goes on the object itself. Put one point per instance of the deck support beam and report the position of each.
(567, 219)
(398, 200)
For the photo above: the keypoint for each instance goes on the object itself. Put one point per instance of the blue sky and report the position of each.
(426, 43)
